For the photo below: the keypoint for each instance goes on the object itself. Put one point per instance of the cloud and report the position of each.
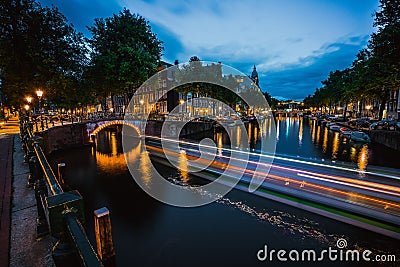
(82, 13)
(302, 78)
(293, 43)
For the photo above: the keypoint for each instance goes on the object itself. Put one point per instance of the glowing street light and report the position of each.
(39, 93)
(29, 99)
(368, 108)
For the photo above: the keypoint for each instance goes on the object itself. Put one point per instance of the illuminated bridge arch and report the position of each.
(95, 127)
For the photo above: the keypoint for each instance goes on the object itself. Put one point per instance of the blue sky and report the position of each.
(293, 43)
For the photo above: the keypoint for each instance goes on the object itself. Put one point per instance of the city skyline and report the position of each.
(294, 44)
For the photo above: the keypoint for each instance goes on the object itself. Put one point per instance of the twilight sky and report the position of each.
(293, 43)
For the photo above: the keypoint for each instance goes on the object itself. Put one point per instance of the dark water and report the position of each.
(228, 232)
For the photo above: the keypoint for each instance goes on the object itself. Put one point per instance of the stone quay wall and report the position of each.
(387, 138)
(76, 135)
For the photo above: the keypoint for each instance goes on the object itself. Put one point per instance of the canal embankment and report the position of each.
(387, 138)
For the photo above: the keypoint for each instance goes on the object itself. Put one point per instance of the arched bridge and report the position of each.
(94, 128)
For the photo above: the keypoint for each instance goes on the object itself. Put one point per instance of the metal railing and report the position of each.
(60, 213)
(43, 123)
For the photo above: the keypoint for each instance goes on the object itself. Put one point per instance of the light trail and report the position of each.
(278, 157)
(302, 184)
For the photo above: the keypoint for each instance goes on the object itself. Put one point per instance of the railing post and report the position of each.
(63, 252)
(31, 163)
(41, 193)
(104, 240)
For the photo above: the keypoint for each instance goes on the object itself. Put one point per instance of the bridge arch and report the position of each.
(95, 128)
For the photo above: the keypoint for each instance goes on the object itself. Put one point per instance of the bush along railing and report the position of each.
(60, 213)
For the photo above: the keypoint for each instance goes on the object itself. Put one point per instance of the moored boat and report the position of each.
(360, 137)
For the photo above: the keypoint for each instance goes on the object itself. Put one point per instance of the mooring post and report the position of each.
(61, 174)
(93, 140)
(104, 241)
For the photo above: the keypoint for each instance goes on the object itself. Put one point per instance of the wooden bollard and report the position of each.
(61, 174)
(104, 241)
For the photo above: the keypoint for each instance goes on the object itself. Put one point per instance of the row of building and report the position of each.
(158, 101)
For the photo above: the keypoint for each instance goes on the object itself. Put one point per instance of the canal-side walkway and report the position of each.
(6, 153)
(25, 249)
(18, 244)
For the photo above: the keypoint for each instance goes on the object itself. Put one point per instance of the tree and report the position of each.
(376, 70)
(39, 49)
(216, 86)
(125, 53)
(384, 47)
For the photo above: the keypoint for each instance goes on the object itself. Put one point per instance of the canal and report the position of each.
(228, 232)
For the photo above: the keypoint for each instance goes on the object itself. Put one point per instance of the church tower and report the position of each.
(254, 76)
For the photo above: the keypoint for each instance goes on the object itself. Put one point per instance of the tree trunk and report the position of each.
(345, 111)
(382, 108)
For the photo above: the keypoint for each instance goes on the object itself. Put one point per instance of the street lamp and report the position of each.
(368, 107)
(182, 108)
(29, 100)
(39, 94)
(141, 101)
(27, 110)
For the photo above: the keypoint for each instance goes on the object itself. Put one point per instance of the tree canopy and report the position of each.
(124, 53)
(38, 49)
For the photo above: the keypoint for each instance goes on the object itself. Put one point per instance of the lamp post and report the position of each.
(39, 94)
(141, 101)
(181, 102)
(27, 111)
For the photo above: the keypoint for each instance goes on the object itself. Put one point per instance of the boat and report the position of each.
(345, 131)
(335, 128)
(360, 137)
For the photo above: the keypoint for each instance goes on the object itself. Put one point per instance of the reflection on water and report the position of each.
(183, 166)
(144, 168)
(304, 138)
(301, 133)
(335, 145)
(363, 158)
